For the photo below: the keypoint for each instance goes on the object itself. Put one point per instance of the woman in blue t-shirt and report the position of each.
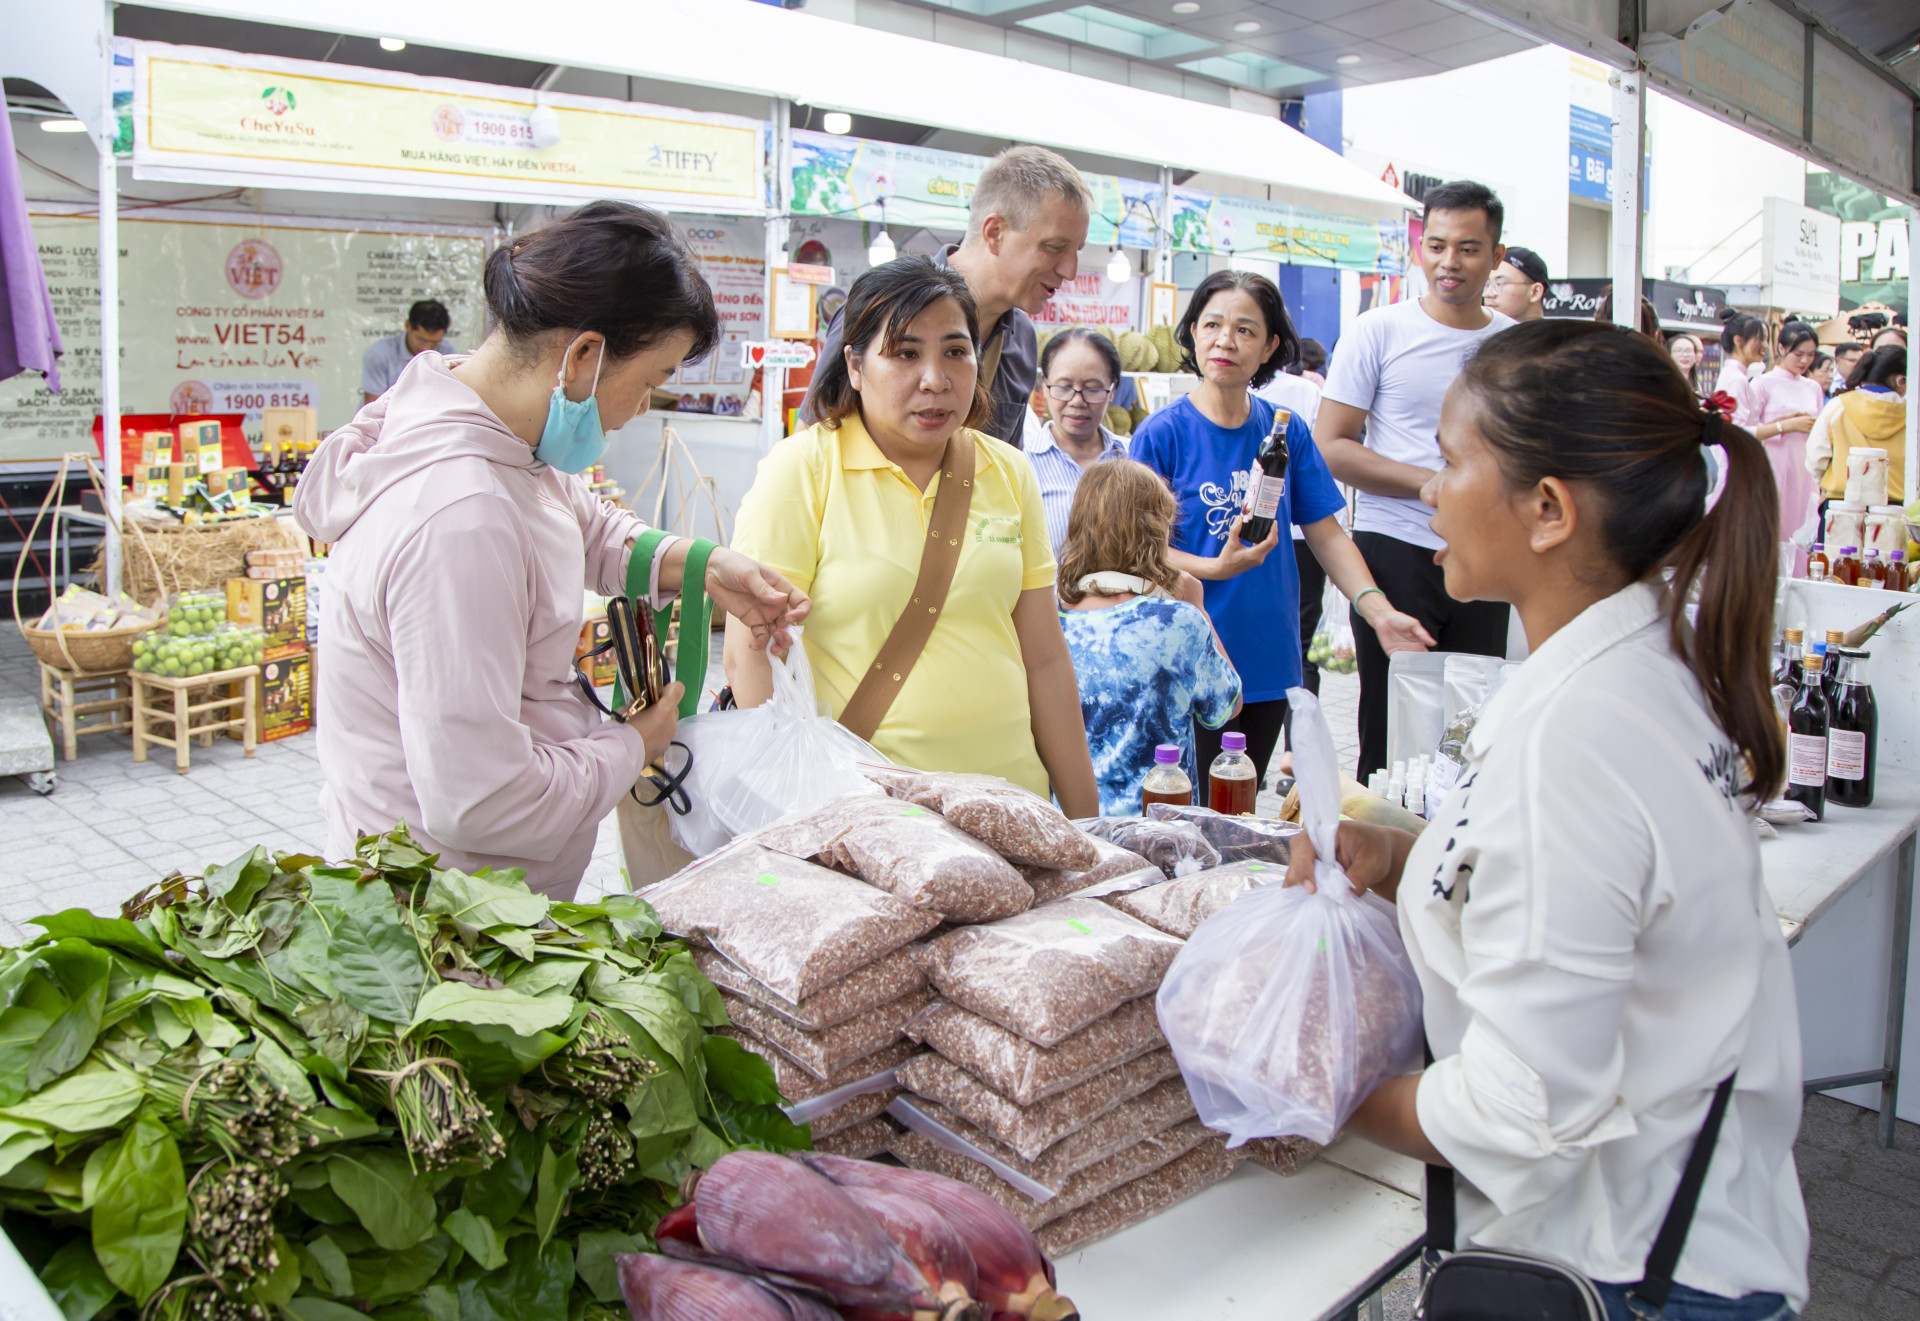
(1236, 334)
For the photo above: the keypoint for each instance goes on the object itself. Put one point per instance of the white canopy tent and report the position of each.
(739, 46)
(733, 45)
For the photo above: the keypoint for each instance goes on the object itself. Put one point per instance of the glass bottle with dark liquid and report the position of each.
(1853, 735)
(1166, 782)
(1267, 483)
(1786, 661)
(1807, 742)
(1232, 785)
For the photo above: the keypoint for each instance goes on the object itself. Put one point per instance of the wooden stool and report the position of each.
(164, 701)
(69, 700)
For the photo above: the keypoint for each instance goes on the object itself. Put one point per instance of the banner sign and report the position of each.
(853, 178)
(211, 115)
(224, 313)
(1589, 130)
(1876, 245)
(733, 256)
(1091, 299)
(1799, 258)
(783, 353)
(1225, 224)
(856, 179)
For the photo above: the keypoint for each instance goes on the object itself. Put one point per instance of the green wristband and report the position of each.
(1357, 596)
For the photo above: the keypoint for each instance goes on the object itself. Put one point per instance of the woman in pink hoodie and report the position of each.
(461, 543)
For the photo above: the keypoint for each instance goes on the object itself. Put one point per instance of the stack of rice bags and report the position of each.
(812, 967)
(1050, 1088)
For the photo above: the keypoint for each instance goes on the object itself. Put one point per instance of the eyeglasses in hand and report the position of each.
(1060, 392)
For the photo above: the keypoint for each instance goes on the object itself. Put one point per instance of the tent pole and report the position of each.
(773, 380)
(109, 308)
(1629, 221)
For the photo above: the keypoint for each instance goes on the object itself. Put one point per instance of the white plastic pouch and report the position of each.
(754, 766)
(1287, 1008)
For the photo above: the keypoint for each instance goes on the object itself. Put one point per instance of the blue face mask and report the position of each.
(572, 440)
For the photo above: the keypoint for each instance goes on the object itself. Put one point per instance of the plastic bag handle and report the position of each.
(1316, 769)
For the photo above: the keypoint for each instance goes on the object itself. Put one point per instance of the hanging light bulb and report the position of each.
(1118, 267)
(544, 125)
(881, 250)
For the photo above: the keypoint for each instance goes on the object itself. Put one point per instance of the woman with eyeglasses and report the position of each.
(1079, 372)
(1236, 335)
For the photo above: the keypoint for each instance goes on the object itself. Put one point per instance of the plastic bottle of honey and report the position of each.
(1232, 785)
(1897, 571)
(1166, 782)
(1873, 570)
(1817, 565)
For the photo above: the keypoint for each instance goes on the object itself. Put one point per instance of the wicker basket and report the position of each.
(100, 651)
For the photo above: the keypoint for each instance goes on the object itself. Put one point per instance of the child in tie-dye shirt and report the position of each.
(1144, 652)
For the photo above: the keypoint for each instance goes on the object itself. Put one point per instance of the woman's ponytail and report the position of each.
(1683, 495)
(1729, 564)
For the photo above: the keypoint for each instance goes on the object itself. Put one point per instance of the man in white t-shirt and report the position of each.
(1388, 376)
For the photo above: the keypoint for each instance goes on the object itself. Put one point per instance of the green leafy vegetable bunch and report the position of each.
(294, 1091)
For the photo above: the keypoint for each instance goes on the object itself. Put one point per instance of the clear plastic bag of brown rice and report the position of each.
(911, 852)
(1019, 825)
(792, 926)
(1052, 970)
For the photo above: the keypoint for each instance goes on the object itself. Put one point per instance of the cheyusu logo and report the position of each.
(278, 102)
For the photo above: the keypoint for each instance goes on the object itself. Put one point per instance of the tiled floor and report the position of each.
(112, 826)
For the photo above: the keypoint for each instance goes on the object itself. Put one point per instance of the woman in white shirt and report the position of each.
(1585, 912)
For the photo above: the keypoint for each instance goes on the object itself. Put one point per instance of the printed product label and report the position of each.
(1846, 755)
(1263, 494)
(1816, 573)
(1806, 760)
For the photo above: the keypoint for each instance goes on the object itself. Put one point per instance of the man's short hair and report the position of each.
(1466, 195)
(1017, 183)
(429, 314)
(1528, 263)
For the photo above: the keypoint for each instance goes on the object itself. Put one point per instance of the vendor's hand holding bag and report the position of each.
(1493, 1284)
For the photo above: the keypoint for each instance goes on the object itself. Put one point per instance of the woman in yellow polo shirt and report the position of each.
(842, 509)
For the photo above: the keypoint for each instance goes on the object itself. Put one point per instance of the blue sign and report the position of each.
(1589, 153)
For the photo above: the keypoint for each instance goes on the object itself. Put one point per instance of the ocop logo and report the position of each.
(710, 235)
(278, 100)
(254, 268)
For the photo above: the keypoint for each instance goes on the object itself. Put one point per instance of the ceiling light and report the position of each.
(881, 250)
(544, 126)
(1247, 25)
(62, 126)
(392, 43)
(837, 122)
(1118, 267)
(1348, 59)
(1186, 7)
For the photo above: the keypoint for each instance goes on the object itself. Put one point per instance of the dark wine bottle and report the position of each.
(1267, 482)
(1853, 736)
(1786, 661)
(1807, 742)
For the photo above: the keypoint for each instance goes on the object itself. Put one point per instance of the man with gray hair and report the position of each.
(1026, 223)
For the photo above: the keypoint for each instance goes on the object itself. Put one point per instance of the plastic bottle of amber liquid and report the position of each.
(1873, 571)
(1166, 782)
(1897, 580)
(1232, 785)
(1817, 566)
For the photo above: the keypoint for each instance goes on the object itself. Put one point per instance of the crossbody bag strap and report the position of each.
(696, 612)
(939, 556)
(1665, 1253)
